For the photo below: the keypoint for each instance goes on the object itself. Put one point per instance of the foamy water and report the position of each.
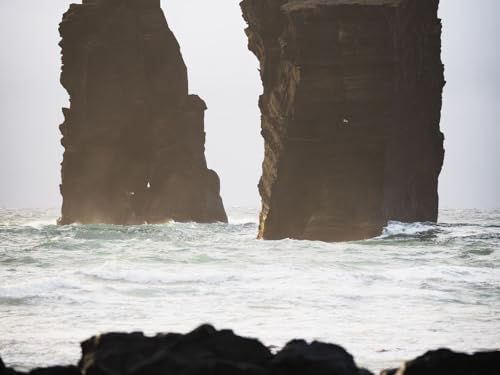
(417, 287)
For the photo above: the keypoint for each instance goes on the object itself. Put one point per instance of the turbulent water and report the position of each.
(417, 287)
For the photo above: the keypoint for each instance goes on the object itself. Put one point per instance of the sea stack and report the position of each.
(134, 138)
(350, 114)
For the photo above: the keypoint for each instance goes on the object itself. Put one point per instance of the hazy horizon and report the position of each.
(225, 74)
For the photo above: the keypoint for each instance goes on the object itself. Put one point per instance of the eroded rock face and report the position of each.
(350, 114)
(134, 139)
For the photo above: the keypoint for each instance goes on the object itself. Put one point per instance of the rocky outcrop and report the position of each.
(350, 114)
(202, 351)
(445, 361)
(133, 137)
(206, 351)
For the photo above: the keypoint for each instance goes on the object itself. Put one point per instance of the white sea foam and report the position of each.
(38, 288)
(147, 276)
(243, 216)
(396, 228)
(418, 286)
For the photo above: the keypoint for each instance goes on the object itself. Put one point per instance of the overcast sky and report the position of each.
(224, 73)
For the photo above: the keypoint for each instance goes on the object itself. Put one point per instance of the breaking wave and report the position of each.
(435, 282)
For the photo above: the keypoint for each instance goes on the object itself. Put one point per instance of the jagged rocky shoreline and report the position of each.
(207, 351)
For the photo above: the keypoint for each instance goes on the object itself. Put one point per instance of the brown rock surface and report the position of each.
(350, 114)
(134, 139)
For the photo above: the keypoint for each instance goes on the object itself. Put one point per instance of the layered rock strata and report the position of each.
(350, 114)
(207, 351)
(134, 139)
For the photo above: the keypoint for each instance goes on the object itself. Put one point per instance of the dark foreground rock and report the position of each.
(299, 357)
(203, 351)
(447, 362)
(207, 351)
(350, 114)
(134, 139)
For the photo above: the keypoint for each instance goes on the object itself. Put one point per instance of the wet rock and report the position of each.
(299, 357)
(3, 369)
(350, 114)
(207, 351)
(56, 370)
(7, 371)
(203, 351)
(447, 362)
(134, 138)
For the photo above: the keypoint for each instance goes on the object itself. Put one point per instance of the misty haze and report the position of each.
(319, 169)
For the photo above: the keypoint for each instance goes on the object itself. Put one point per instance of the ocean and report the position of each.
(417, 287)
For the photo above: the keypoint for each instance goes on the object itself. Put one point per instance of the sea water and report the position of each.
(417, 287)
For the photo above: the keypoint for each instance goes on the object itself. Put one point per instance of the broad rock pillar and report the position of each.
(350, 114)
